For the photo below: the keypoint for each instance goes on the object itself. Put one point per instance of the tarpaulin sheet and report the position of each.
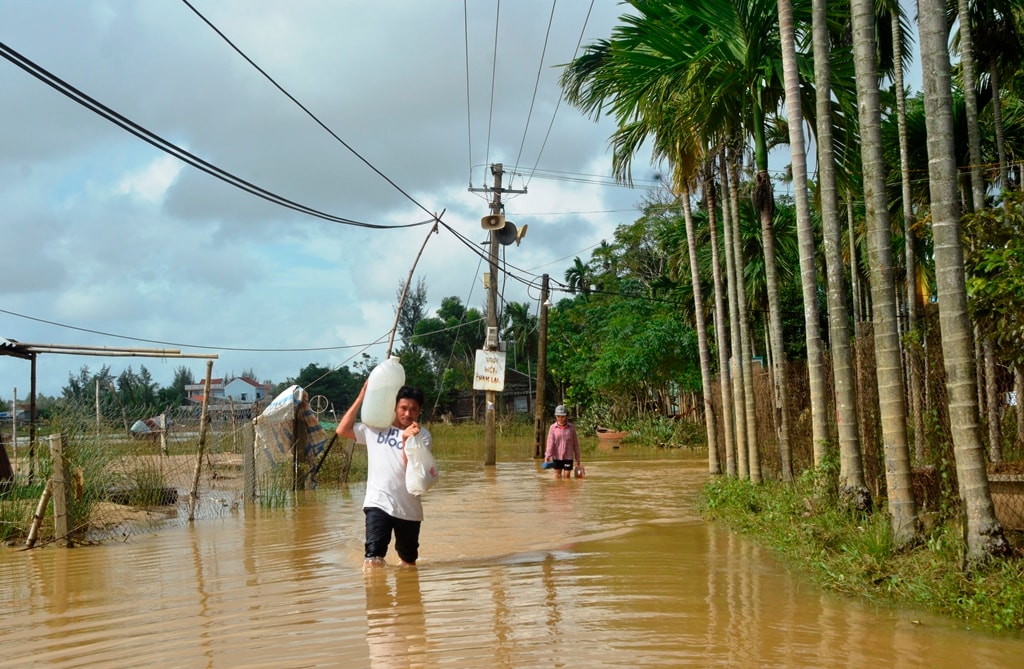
(288, 426)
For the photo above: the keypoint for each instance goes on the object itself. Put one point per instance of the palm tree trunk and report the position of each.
(714, 466)
(805, 234)
(970, 82)
(764, 203)
(852, 488)
(909, 244)
(744, 367)
(855, 284)
(995, 428)
(997, 121)
(892, 406)
(1018, 394)
(983, 533)
(734, 366)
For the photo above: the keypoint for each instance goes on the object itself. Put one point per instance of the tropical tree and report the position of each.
(577, 277)
(519, 326)
(902, 507)
(805, 233)
(983, 533)
(340, 386)
(852, 487)
(718, 60)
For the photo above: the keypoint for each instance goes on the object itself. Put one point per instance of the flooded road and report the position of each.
(516, 570)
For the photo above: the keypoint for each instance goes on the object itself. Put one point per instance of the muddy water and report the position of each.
(517, 570)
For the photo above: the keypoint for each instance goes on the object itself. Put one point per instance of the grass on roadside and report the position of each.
(852, 553)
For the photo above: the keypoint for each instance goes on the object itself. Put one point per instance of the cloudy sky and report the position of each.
(110, 241)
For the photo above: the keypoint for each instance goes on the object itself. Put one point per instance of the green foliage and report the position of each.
(339, 386)
(994, 259)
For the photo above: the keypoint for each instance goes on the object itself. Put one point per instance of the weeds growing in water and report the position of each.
(852, 552)
(273, 491)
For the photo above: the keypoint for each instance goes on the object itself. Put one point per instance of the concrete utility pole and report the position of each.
(497, 170)
(491, 398)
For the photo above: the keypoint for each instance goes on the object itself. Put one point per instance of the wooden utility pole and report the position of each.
(539, 438)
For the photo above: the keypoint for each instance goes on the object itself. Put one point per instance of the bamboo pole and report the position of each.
(405, 289)
(37, 519)
(193, 495)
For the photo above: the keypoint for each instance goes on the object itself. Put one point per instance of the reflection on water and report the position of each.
(517, 570)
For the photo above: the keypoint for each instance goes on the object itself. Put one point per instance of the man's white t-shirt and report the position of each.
(385, 471)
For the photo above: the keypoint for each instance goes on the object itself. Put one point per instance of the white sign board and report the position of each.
(489, 372)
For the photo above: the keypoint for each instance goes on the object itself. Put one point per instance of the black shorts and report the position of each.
(380, 525)
(565, 465)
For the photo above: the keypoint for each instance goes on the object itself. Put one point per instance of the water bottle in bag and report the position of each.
(378, 409)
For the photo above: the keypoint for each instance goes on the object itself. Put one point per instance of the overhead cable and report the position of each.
(304, 108)
(536, 83)
(155, 140)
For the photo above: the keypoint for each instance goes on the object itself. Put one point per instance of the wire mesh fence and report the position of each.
(934, 474)
(126, 470)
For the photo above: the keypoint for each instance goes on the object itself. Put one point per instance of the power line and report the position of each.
(536, 83)
(303, 107)
(559, 103)
(494, 78)
(159, 142)
(379, 340)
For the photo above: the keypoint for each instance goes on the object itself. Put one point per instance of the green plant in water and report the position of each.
(274, 487)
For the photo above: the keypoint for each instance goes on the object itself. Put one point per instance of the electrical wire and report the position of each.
(168, 147)
(494, 79)
(303, 107)
(536, 84)
(558, 104)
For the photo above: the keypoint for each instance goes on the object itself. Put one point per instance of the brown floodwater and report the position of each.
(516, 570)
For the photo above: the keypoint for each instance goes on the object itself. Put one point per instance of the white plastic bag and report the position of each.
(421, 470)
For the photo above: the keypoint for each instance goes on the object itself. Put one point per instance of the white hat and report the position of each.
(560, 410)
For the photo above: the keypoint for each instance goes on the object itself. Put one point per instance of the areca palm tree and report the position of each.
(805, 232)
(853, 489)
(983, 533)
(716, 60)
(892, 405)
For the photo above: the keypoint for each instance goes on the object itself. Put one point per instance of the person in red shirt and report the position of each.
(563, 446)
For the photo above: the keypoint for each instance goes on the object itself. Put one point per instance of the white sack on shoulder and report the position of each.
(421, 470)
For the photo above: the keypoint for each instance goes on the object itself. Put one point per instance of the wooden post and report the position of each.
(249, 464)
(61, 490)
(539, 436)
(193, 495)
(14, 432)
(163, 433)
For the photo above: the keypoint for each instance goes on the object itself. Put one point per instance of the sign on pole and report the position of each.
(489, 372)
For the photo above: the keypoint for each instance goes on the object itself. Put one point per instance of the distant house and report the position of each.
(20, 414)
(517, 398)
(242, 390)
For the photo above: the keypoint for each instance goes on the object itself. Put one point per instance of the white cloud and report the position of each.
(152, 181)
(107, 235)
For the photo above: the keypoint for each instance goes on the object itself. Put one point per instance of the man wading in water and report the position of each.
(388, 505)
